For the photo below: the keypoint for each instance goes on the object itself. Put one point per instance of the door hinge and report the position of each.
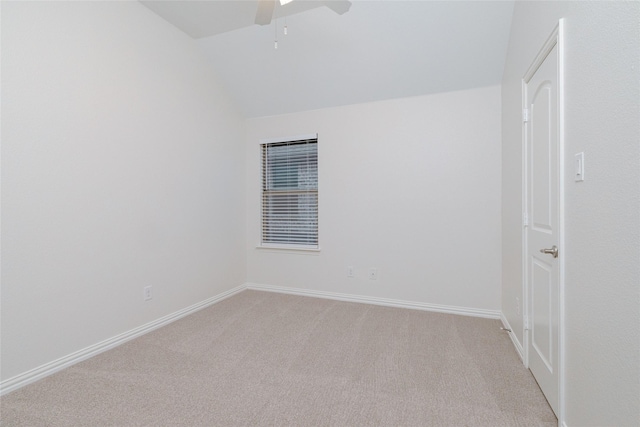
(525, 115)
(526, 323)
(525, 219)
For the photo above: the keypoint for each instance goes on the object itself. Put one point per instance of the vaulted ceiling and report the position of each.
(377, 50)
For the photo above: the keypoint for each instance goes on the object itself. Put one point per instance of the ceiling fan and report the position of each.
(266, 7)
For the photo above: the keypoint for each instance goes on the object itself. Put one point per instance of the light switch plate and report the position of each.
(578, 167)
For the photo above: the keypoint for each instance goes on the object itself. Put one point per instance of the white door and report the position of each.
(543, 226)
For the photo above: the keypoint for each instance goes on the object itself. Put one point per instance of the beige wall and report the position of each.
(602, 241)
(122, 167)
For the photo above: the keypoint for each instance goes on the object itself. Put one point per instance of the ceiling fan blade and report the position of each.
(265, 11)
(338, 6)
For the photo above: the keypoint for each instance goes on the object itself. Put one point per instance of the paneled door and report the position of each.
(543, 243)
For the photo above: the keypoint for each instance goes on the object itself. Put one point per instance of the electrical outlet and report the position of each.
(147, 293)
(373, 274)
(351, 271)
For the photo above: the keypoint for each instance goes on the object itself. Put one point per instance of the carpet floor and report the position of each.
(268, 359)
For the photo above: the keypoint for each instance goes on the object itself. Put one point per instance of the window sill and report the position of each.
(291, 249)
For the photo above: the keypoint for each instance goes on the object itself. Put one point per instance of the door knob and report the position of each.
(553, 251)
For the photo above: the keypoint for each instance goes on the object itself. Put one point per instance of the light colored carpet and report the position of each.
(267, 359)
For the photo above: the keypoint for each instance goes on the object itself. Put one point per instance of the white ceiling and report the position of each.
(378, 50)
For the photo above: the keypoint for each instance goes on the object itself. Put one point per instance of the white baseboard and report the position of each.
(47, 369)
(514, 338)
(464, 311)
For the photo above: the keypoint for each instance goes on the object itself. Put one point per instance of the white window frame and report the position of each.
(315, 247)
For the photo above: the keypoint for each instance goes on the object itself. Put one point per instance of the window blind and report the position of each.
(290, 193)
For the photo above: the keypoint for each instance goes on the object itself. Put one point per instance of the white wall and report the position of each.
(602, 250)
(122, 167)
(408, 186)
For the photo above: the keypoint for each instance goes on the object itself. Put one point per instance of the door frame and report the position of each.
(556, 39)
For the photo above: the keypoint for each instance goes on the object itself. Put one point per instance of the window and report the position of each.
(290, 193)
